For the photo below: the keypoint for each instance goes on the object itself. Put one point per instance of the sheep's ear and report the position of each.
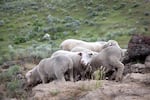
(80, 53)
(30, 74)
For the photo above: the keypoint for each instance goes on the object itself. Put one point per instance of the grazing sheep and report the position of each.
(55, 67)
(69, 44)
(50, 68)
(109, 57)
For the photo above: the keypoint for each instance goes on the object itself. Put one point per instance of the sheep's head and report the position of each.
(29, 78)
(86, 57)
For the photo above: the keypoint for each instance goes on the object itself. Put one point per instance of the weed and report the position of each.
(54, 92)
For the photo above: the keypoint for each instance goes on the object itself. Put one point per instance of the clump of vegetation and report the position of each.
(13, 85)
(36, 50)
(54, 92)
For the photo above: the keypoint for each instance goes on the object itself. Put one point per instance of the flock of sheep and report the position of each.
(78, 58)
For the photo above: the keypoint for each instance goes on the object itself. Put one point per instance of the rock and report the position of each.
(46, 37)
(138, 48)
(146, 13)
(138, 78)
(136, 68)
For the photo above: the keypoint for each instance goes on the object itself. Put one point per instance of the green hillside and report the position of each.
(23, 23)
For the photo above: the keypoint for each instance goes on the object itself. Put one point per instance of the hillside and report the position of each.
(23, 23)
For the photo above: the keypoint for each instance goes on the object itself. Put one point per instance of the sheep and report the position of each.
(69, 44)
(50, 68)
(110, 58)
(55, 67)
(78, 65)
(115, 43)
(79, 49)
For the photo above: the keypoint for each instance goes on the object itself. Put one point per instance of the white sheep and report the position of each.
(50, 68)
(69, 44)
(110, 58)
(78, 64)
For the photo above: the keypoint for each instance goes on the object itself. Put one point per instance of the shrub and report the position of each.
(90, 23)
(135, 5)
(92, 14)
(1, 39)
(19, 39)
(73, 26)
(118, 7)
(34, 51)
(37, 26)
(30, 35)
(12, 87)
(51, 19)
(105, 14)
(37, 50)
(68, 19)
(9, 74)
(101, 7)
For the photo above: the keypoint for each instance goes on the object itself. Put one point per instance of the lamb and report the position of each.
(78, 64)
(69, 44)
(51, 68)
(110, 58)
(55, 67)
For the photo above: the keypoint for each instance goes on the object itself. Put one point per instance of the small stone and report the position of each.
(147, 13)
(2, 22)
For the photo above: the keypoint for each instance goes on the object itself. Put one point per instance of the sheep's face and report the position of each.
(86, 57)
(29, 77)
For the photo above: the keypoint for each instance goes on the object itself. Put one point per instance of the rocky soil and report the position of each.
(134, 86)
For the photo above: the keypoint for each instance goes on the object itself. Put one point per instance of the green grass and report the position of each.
(111, 17)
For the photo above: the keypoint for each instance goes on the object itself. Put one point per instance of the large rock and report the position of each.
(138, 47)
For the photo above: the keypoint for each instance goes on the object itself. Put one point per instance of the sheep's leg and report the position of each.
(120, 68)
(71, 74)
(43, 78)
(60, 76)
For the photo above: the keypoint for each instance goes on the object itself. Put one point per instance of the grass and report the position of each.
(54, 92)
(20, 18)
(98, 19)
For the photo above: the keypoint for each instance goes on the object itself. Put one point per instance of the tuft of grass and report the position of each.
(54, 92)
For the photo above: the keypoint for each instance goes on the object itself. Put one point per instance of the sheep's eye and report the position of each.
(90, 54)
